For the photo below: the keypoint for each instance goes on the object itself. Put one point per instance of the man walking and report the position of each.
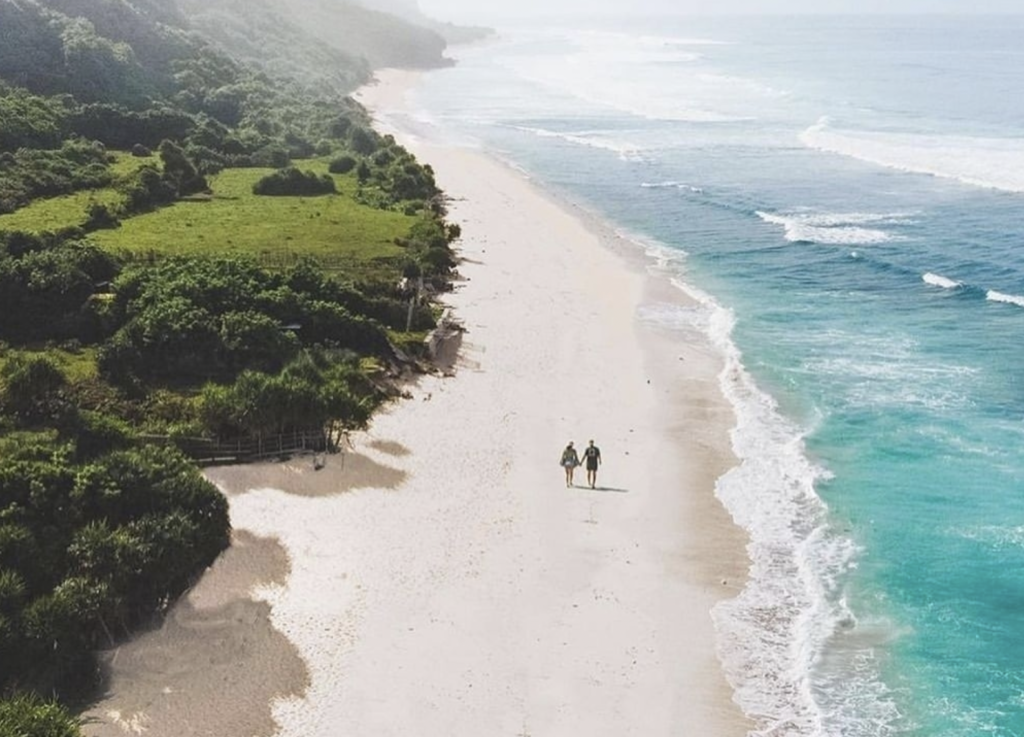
(592, 457)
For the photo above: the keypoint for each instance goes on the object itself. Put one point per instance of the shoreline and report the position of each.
(440, 579)
(684, 367)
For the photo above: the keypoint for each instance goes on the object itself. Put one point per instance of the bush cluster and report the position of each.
(292, 182)
(88, 549)
(389, 176)
(202, 318)
(315, 391)
(27, 174)
(342, 164)
(429, 251)
(29, 121)
(47, 288)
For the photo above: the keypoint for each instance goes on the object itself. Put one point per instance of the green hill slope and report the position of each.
(203, 246)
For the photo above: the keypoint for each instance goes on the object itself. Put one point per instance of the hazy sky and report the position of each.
(482, 9)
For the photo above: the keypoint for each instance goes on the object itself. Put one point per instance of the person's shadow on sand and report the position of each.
(602, 488)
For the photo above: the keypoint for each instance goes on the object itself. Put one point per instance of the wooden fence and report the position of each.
(209, 451)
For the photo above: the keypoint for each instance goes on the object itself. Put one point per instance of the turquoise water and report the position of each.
(846, 197)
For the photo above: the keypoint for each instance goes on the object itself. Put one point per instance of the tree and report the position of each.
(96, 67)
(29, 121)
(362, 140)
(252, 340)
(31, 388)
(363, 172)
(99, 217)
(147, 189)
(180, 171)
(342, 164)
(64, 624)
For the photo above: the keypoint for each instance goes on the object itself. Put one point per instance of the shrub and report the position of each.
(99, 217)
(146, 189)
(342, 164)
(33, 717)
(362, 140)
(273, 155)
(43, 291)
(96, 543)
(180, 171)
(29, 121)
(292, 182)
(121, 128)
(317, 389)
(31, 388)
(97, 434)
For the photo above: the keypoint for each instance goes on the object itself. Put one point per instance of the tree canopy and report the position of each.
(102, 527)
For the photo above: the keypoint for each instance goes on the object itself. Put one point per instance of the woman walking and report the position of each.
(569, 462)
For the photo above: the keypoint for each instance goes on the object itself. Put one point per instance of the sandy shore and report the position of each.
(440, 579)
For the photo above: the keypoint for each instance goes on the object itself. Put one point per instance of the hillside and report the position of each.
(262, 34)
(409, 10)
(204, 247)
(317, 35)
(127, 51)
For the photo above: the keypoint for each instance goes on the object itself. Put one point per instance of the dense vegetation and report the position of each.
(149, 288)
(294, 182)
(123, 534)
(30, 716)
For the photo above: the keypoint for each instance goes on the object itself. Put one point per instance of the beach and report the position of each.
(437, 577)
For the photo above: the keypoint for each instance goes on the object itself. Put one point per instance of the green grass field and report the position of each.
(126, 163)
(70, 210)
(58, 212)
(333, 228)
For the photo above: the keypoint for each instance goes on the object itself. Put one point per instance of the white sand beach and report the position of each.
(441, 580)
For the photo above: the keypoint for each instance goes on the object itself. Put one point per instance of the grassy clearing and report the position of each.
(78, 365)
(333, 228)
(55, 213)
(126, 163)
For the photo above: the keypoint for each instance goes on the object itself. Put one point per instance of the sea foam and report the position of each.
(773, 635)
(996, 163)
(937, 280)
(681, 186)
(593, 139)
(1011, 299)
(834, 228)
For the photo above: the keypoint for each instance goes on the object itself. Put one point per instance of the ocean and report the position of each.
(845, 198)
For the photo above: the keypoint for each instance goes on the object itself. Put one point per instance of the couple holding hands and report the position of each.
(570, 460)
